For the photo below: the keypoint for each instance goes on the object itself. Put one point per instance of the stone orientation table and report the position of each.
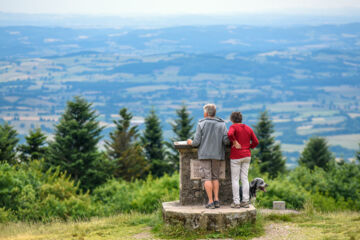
(189, 211)
(191, 189)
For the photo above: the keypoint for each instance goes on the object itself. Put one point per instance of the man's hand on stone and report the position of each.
(189, 141)
(236, 145)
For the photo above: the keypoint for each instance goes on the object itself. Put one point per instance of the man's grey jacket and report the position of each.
(211, 138)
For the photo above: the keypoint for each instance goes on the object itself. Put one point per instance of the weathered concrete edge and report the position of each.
(266, 211)
(177, 145)
(168, 206)
(206, 220)
(183, 146)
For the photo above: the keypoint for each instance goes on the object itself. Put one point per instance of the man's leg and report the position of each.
(235, 174)
(215, 172)
(205, 168)
(209, 190)
(215, 184)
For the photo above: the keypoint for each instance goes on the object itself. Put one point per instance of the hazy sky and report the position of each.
(178, 7)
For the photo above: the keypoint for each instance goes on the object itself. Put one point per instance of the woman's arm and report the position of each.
(231, 135)
(254, 140)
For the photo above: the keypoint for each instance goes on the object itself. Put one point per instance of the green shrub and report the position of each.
(33, 195)
(335, 189)
(323, 203)
(115, 196)
(314, 181)
(27, 193)
(142, 195)
(281, 189)
(154, 191)
(6, 215)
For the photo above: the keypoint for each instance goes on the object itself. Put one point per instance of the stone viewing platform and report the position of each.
(198, 217)
(189, 211)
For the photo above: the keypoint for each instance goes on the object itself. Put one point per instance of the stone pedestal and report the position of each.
(190, 211)
(191, 189)
(198, 217)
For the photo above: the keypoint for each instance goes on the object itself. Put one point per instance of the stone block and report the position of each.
(191, 189)
(279, 205)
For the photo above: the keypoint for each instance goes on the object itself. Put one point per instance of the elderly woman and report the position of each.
(211, 138)
(244, 137)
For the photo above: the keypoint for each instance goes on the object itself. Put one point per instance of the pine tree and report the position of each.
(183, 129)
(74, 148)
(152, 141)
(358, 154)
(34, 147)
(316, 153)
(124, 150)
(8, 142)
(269, 153)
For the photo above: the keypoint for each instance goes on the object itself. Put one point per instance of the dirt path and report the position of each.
(280, 231)
(144, 235)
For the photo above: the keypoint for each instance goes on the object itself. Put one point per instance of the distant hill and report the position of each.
(307, 76)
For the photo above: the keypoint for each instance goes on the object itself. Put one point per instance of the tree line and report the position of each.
(131, 155)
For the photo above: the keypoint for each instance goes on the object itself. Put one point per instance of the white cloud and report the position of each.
(234, 42)
(14, 33)
(50, 40)
(82, 37)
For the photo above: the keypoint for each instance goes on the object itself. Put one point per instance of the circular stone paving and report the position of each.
(198, 217)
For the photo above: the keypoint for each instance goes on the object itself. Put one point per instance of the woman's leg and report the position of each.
(235, 174)
(244, 169)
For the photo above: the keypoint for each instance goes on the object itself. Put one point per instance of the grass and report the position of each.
(335, 225)
(244, 231)
(307, 225)
(317, 225)
(123, 226)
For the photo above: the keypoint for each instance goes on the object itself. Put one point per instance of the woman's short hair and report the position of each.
(236, 117)
(210, 109)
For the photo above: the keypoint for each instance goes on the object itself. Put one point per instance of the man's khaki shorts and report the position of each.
(209, 169)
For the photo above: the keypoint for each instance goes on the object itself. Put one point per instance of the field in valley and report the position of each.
(307, 77)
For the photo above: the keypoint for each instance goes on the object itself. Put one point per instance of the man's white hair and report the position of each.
(210, 109)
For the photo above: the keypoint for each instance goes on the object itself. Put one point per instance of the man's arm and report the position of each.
(225, 139)
(197, 139)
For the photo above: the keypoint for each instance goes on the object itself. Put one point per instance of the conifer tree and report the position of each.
(316, 153)
(152, 141)
(358, 154)
(269, 153)
(124, 149)
(183, 129)
(34, 147)
(74, 148)
(8, 142)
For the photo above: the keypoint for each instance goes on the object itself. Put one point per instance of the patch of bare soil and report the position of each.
(144, 235)
(277, 231)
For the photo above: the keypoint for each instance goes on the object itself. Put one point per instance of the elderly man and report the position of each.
(211, 138)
